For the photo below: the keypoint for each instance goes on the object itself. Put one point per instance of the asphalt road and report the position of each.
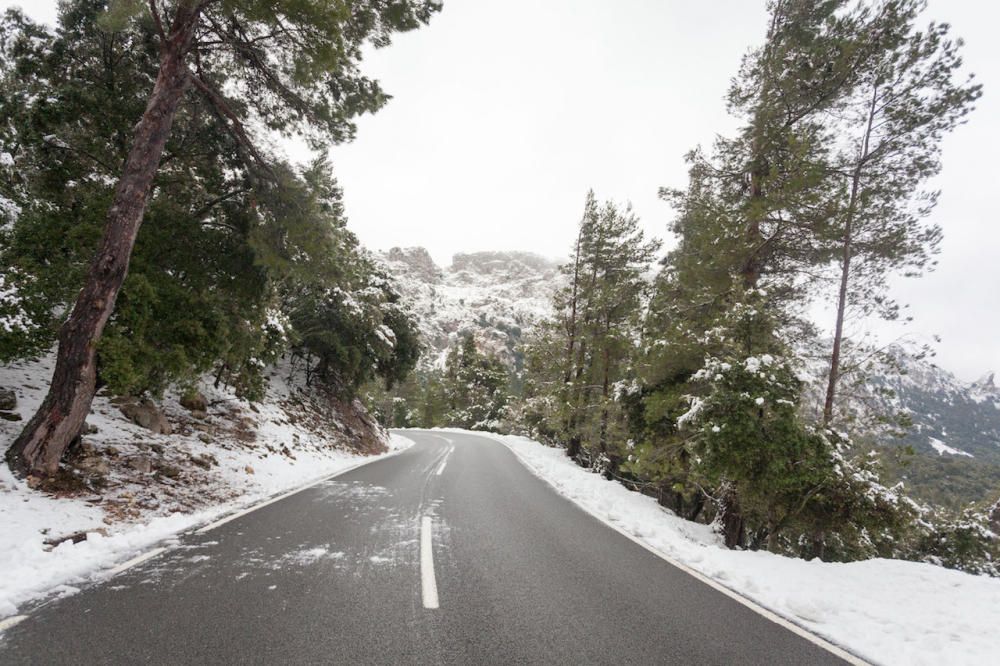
(336, 575)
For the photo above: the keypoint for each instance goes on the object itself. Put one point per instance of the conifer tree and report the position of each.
(292, 64)
(475, 386)
(573, 388)
(905, 99)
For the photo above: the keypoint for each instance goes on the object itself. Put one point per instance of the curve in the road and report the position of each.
(337, 573)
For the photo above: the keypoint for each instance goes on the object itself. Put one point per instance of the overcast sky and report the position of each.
(506, 111)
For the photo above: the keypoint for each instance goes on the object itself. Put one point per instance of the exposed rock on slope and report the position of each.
(137, 459)
(496, 295)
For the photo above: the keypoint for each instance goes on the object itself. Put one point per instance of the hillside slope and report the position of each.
(144, 471)
(497, 295)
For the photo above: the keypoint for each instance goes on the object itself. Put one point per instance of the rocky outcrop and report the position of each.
(146, 414)
(8, 400)
(418, 262)
(194, 402)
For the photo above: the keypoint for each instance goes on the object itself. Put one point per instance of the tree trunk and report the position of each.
(731, 518)
(605, 388)
(571, 335)
(773, 527)
(838, 331)
(60, 417)
(845, 266)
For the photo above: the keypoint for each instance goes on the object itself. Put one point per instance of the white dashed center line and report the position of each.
(428, 582)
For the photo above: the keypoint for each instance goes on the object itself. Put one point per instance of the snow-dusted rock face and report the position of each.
(498, 296)
(950, 417)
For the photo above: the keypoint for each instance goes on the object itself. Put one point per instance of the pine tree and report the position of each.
(577, 363)
(753, 226)
(292, 63)
(475, 386)
(905, 100)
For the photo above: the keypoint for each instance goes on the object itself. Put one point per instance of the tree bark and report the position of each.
(731, 518)
(60, 417)
(571, 335)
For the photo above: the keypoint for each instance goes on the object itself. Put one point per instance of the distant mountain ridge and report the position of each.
(498, 296)
(950, 417)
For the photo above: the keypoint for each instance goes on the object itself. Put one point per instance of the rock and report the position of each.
(248, 469)
(89, 429)
(194, 402)
(93, 466)
(75, 537)
(205, 461)
(146, 414)
(169, 471)
(10, 416)
(199, 414)
(8, 400)
(157, 448)
(205, 437)
(141, 464)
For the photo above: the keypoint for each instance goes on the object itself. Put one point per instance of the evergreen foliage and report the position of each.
(239, 260)
(711, 414)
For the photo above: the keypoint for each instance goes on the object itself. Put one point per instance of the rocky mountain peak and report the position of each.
(415, 261)
(986, 382)
(501, 263)
(496, 296)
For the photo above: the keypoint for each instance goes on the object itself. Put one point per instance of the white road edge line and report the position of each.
(9, 622)
(819, 641)
(428, 582)
(309, 484)
(138, 559)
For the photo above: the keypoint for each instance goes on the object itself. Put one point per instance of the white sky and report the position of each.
(506, 111)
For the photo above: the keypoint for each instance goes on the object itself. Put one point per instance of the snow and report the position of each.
(887, 611)
(12, 315)
(943, 448)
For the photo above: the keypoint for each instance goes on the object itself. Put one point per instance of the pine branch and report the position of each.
(234, 124)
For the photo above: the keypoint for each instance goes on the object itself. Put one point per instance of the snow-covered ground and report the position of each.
(943, 448)
(153, 486)
(31, 569)
(886, 611)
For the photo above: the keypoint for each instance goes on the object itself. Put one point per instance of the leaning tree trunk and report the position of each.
(60, 417)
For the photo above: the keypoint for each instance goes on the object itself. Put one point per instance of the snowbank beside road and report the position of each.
(887, 611)
(30, 569)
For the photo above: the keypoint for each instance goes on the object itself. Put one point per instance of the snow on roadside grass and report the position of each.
(887, 611)
(30, 570)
